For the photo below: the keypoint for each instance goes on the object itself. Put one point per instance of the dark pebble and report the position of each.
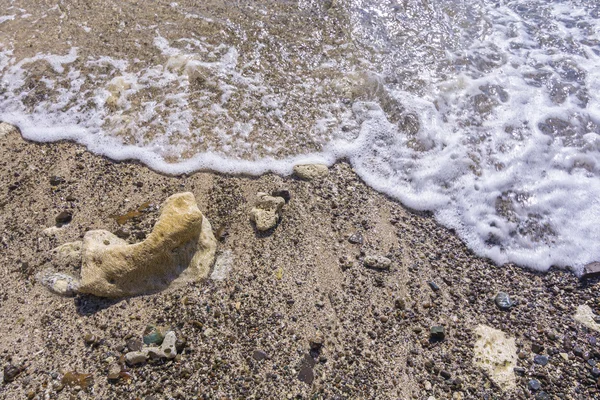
(11, 372)
(541, 360)
(180, 344)
(56, 180)
(356, 238)
(503, 301)
(542, 396)
(534, 384)
(519, 370)
(537, 348)
(122, 233)
(259, 355)
(134, 344)
(591, 270)
(63, 218)
(445, 374)
(434, 286)
(437, 333)
(596, 372)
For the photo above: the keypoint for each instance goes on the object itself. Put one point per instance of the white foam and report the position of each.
(487, 158)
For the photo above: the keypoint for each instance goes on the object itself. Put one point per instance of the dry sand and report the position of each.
(250, 335)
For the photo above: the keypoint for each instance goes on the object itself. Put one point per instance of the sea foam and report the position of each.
(487, 114)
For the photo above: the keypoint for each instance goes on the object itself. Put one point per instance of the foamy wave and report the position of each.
(488, 114)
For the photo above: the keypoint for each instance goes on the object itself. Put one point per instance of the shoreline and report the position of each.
(301, 280)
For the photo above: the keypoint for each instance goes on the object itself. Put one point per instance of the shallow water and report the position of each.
(486, 112)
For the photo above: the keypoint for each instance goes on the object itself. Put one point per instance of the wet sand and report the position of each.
(250, 335)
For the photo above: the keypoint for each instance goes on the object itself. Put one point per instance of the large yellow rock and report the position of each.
(180, 248)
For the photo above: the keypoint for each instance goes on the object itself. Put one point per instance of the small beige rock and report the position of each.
(377, 262)
(136, 357)
(180, 248)
(266, 211)
(6, 128)
(586, 316)
(114, 372)
(154, 353)
(309, 172)
(496, 353)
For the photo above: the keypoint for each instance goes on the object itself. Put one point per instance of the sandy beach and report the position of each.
(297, 315)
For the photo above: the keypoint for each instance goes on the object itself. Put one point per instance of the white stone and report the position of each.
(58, 283)
(68, 252)
(168, 345)
(136, 357)
(586, 316)
(223, 265)
(496, 353)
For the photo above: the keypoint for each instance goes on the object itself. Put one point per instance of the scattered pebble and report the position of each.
(11, 372)
(437, 333)
(58, 283)
(541, 360)
(356, 238)
(63, 218)
(310, 172)
(591, 270)
(154, 334)
(378, 262)
(433, 286)
(503, 301)
(266, 211)
(534, 384)
(259, 355)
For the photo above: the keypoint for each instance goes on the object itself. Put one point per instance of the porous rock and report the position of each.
(68, 253)
(58, 283)
(136, 357)
(6, 128)
(168, 350)
(310, 171)
(377, 262)
(168, 345)
(496, 353)
(180, 248)
(586, 316)
(266, 211)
